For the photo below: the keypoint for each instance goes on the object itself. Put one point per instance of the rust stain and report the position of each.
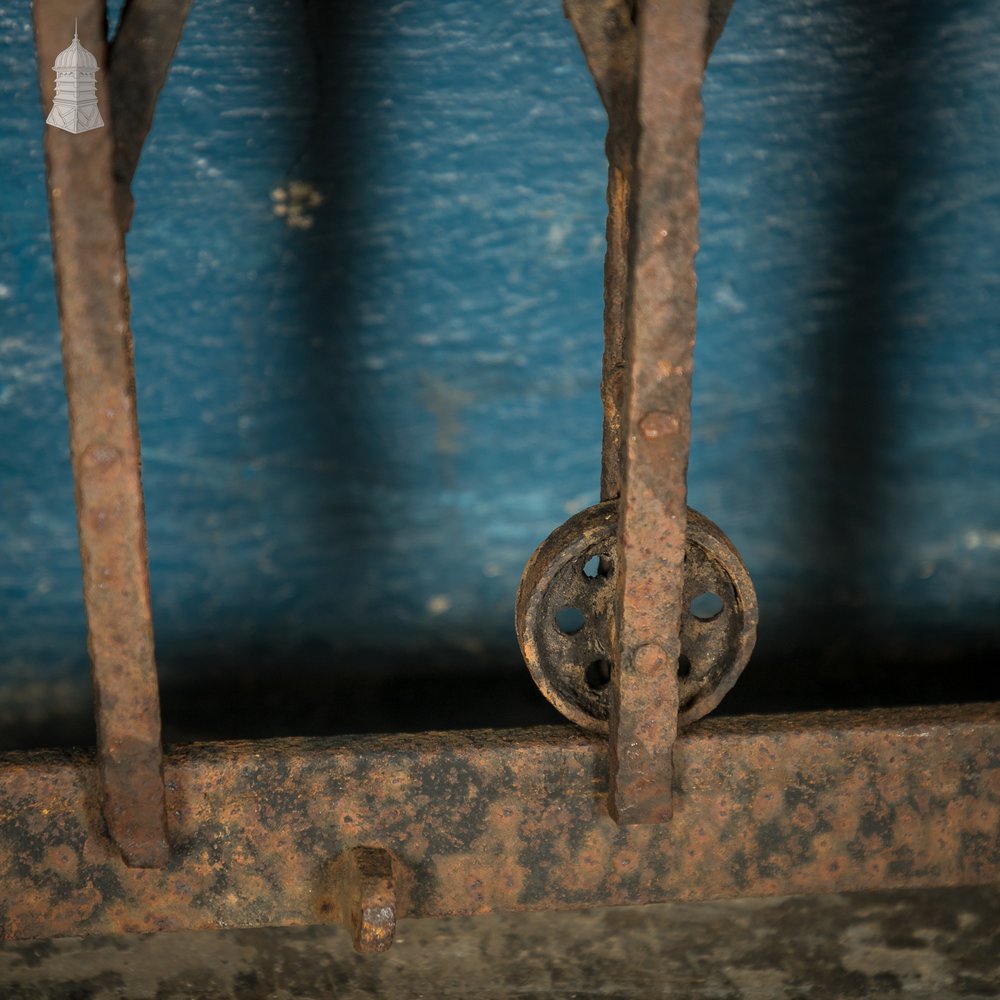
(89, 258)
(648, 61)
(362, 895)
(715, 648)
(484, 821)
(656, 412)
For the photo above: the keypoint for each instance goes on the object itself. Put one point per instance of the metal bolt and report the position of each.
(361, 893)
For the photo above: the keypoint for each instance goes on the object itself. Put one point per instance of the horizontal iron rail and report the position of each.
(483, 821)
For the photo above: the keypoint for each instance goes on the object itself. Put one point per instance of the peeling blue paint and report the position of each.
(357, 426)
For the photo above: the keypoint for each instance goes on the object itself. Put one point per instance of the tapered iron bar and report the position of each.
(92, 288)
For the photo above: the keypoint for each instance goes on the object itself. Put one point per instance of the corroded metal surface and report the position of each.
(647, 60)
(512, 820)
(91, 282)
(606, 30)
(363, 896)
(656, 412)
(139, 59)
(572, 569)
(607, 35)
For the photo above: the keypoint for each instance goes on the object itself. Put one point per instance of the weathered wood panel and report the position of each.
(360, 416)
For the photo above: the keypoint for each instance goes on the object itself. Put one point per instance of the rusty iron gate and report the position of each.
(632, 803)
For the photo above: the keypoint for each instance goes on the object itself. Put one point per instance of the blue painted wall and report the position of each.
(359, 416)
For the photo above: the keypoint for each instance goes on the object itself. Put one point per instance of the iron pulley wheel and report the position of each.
(565, 615)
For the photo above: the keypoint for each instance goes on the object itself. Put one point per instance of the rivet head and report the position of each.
(649, 659)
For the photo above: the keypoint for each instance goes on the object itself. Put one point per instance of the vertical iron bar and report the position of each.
(138, 63)
(92, 288)
(608, 39)
(672, 36)
(606, 32)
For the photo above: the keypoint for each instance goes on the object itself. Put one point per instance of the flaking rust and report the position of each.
(368, 829)
(648, 60)
(477, 822)
(89, 256)
(656, 407)
(572, 569)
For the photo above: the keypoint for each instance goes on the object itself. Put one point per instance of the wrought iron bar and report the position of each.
(92, 288)
(367, 829)
(139, 60)
(637, 665)
(482, 821)
(656, 412)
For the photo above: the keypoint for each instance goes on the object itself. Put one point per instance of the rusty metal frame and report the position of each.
(475, 822)
(365, 830)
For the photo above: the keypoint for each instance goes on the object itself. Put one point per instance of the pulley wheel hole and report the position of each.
(598, 674)
(597, 567)
(706, 606)
(569, 621)
(683, 666)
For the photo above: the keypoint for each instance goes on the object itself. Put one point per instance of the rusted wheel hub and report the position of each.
(565, 612)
